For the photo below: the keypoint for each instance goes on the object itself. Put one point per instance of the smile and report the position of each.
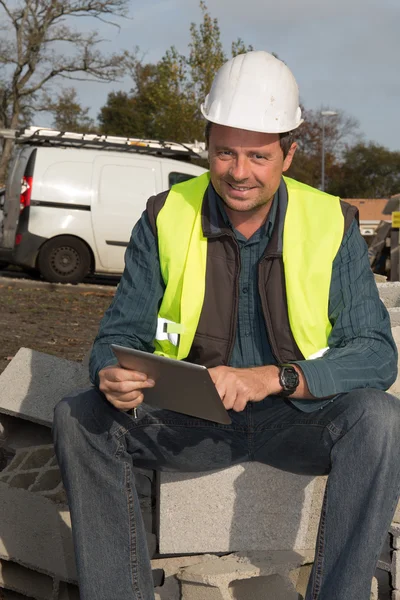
(239, 188)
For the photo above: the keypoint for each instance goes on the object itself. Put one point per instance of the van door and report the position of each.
(123, 186)
(22, 165)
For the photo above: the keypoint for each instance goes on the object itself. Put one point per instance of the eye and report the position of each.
(224, 154)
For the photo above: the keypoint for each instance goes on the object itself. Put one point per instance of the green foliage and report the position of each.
(368, 171)
(165, 100)
(206, 53)
(68, 114)
(117, 116)
(239, 47)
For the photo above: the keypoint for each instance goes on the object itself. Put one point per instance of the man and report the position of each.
(269, 282)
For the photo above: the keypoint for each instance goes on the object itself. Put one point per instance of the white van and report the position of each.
(72, 199)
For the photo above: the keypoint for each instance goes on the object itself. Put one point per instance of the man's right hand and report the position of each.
(123, 387)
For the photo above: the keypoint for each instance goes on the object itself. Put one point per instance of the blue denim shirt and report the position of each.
(362, 352)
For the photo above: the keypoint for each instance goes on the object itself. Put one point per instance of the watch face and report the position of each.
(289, 378)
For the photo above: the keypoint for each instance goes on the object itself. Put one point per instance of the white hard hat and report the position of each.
(254, 91)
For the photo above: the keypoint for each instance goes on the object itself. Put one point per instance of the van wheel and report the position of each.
(64, 259)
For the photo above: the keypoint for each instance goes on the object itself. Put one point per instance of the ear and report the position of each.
(289, 157)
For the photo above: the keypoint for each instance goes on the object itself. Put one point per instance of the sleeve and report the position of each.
(131, 319)
(362, 352)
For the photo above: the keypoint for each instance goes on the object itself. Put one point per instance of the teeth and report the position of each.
(239, 189)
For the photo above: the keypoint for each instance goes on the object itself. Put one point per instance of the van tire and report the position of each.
(64, 259)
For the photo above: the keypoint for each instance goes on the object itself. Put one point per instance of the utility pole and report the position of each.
(324, 113)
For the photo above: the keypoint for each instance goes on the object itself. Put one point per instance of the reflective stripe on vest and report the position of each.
(312, 234)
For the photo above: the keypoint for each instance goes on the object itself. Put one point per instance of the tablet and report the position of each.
(180, 386)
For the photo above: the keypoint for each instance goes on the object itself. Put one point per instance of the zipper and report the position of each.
(267, 315)
(234, 316)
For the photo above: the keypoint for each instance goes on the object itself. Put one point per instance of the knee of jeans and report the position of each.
(378, 412)
(72, 412)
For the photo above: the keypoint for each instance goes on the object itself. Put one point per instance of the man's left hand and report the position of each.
(237, 387)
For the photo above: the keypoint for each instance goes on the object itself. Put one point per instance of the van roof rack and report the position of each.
(40, 136)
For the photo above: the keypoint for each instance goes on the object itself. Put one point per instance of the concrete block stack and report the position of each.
(395, 562)
(36, 551)
(265, 521)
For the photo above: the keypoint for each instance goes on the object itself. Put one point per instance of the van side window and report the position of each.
(174, 178)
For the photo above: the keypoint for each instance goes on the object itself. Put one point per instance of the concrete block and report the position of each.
(68, 592)
(33, 383)
(389, 293)
(33, 470)
(35, 533)
(17, 460)
(395, 388)
(246, 507)
(374, 589)
(199, 591)
(23, 480)
(6, 456)
(299, 577)
(396, 516)
(38, 457)
(394, 314)
(48, 480)
(395, 531)
(25, 581)
(383, 565)
(258, 588)
(171, 590)
(239, 577)
(395, 571)
(9, 595)
(233, 578)
(19, 433)
(396, 595)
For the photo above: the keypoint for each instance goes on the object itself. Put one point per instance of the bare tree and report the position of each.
(39, 43)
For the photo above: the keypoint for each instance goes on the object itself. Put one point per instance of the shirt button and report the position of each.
(247, 334)
(245, 290)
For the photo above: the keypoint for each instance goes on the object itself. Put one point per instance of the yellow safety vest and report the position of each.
(312, 233)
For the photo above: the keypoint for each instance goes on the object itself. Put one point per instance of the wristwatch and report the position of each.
(289, 380)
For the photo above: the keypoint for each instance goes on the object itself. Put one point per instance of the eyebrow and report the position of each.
(250, 151)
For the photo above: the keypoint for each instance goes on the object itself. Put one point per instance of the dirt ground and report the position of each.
(57, 321)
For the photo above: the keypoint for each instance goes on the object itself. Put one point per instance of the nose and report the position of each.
(240, 169)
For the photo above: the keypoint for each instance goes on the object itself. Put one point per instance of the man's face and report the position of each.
(246, 166)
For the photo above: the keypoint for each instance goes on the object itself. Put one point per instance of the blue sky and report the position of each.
(344, 54)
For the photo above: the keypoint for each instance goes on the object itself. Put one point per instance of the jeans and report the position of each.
(355, 438)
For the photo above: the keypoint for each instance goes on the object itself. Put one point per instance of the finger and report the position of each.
(126, 403)
(231, 391)
(214, 372)
(125, 387)
(239, 404)
(220, 386)
(230, 398)
(118, 374)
